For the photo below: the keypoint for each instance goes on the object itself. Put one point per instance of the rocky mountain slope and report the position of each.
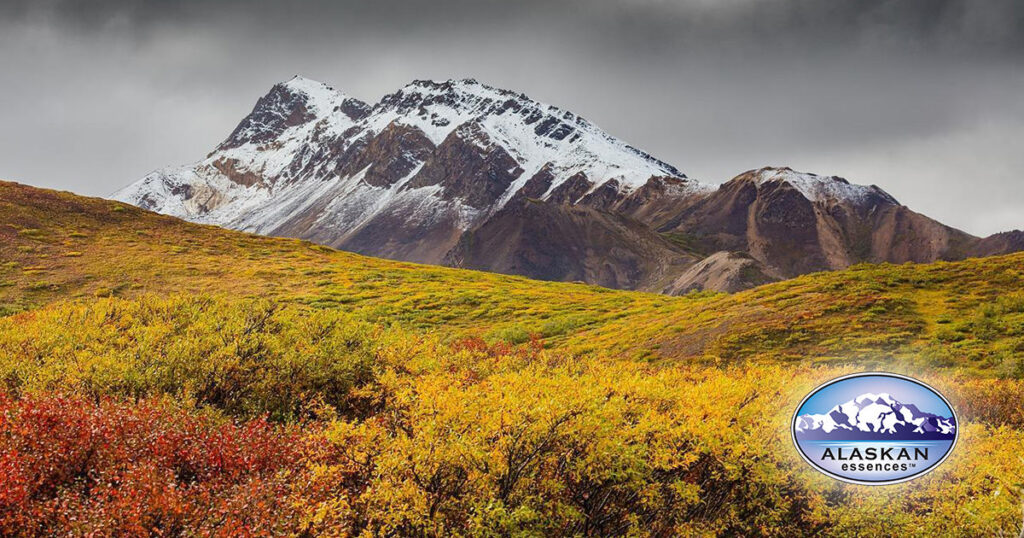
(463, 174)
(795, 223)
(568, 242)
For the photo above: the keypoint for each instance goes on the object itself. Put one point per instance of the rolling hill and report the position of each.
(60, 246)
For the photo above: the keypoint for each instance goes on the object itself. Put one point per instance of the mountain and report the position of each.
(402, 179)
(722, 271)
(467, 175)
(874, 416)
(795, 223)
(570, 243)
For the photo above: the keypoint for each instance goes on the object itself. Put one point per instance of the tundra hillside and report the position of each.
(166, 377)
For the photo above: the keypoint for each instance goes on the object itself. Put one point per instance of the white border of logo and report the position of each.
(919, 474)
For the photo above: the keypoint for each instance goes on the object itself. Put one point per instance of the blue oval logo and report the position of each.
(874, 428)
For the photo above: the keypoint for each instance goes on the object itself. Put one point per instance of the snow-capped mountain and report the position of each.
(468, 175)
(432, 159)
(876, 416)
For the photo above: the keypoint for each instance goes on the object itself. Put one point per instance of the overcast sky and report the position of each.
(924, 98)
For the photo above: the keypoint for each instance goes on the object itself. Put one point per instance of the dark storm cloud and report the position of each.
(920, 97)
(994, 25)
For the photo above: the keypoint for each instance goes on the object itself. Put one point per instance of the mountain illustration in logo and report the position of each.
(875, 417)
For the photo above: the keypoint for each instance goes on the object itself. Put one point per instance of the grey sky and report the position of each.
(924, 98)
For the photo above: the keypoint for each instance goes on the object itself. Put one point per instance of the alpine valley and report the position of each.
(462, 174)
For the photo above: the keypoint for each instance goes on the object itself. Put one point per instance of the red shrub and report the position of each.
(68, 465)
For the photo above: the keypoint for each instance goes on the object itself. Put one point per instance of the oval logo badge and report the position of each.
(874, 428)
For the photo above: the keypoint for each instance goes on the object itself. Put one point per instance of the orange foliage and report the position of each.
(70, 466)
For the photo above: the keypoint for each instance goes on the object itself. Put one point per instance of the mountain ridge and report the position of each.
(444, 172)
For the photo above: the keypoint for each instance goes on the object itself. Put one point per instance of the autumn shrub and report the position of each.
(488, 438)
(69, 466)
(493, 439)
(497, 440)
(996, 402)
(388, 432)
(245, 358)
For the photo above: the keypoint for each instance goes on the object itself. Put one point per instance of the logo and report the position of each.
(874, 428)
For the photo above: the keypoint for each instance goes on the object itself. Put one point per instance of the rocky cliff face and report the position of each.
(464, 174)
(794, 223)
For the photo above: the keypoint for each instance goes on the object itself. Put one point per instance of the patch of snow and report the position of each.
(322, 98)
(821, 188)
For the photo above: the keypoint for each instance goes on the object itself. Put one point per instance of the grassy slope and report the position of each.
(56, 246)
(969, 314)
(955, 324)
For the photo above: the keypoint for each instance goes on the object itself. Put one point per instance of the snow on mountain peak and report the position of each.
(294, 106)
(534, 133)
(321, 97)
(464, 93)
(818, 188)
